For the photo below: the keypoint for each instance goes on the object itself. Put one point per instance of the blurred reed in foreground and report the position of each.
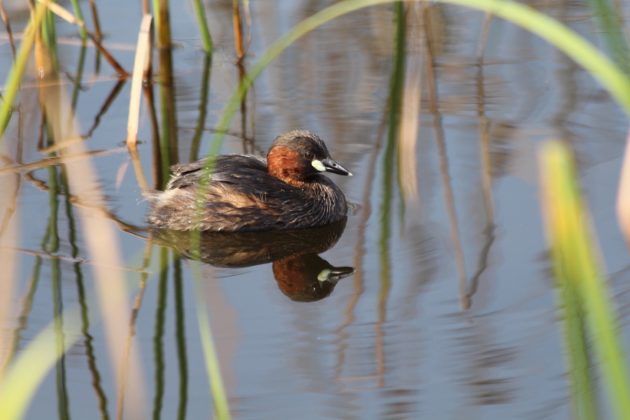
(588, 310)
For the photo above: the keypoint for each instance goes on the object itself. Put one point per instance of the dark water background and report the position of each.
(408, 335)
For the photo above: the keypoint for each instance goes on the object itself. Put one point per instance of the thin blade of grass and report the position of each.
(213, 370)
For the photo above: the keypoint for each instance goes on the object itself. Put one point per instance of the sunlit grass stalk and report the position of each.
(200, 13)
(576, 266)
(143, 50)
(12, 84)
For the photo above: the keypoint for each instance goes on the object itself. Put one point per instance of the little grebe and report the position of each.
(246, 193)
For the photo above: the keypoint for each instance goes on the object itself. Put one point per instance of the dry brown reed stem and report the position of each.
(49, 161)
(69, 17)
(237, 26)
(8, 259)
(7, 25)
(623, 194)
(97, 23)
(100, 238)
(410, 112)
(142, 53)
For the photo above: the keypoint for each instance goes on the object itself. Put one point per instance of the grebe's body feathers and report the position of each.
(247, 193)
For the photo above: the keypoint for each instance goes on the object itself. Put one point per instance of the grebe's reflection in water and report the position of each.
(301, 274)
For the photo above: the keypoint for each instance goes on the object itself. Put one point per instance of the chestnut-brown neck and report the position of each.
(286, 164)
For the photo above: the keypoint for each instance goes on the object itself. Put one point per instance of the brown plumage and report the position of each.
(246, 193)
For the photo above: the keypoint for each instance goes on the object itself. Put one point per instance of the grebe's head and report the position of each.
(298, 155)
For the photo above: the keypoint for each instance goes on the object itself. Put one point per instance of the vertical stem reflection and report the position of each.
(158, 336)
(443, 156)
(180, 336)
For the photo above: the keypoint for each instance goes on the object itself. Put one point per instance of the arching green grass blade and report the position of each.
(557, 34)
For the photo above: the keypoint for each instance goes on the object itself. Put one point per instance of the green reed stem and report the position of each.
(79, 15)
(200, 13)
(12, 84)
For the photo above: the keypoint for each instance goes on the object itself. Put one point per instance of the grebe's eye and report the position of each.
(309, 155)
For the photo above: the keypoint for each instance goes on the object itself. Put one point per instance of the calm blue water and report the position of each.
(409, 335)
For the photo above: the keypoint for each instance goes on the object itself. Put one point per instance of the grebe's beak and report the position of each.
(334, 274)
(329, 165)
